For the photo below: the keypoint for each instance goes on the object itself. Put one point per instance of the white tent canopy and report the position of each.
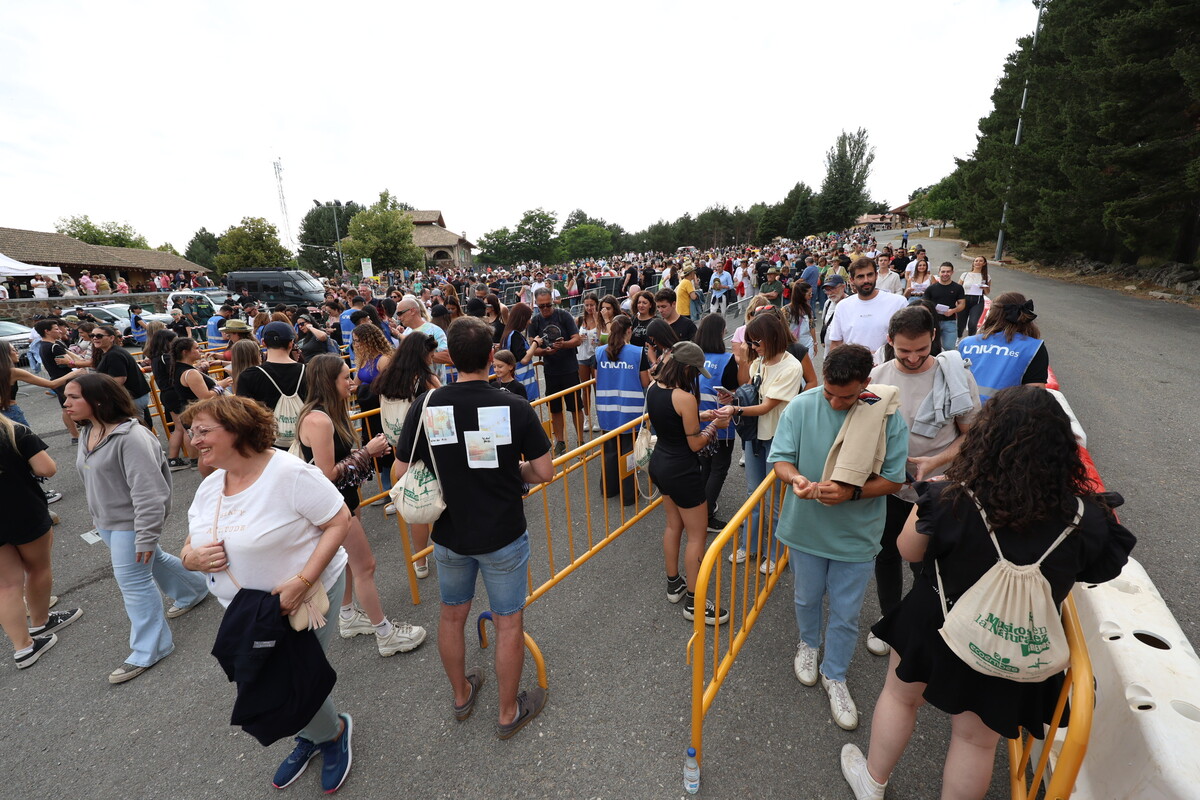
(12, 267)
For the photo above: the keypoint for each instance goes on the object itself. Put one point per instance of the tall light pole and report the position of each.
(1020, 121)
(335, 205)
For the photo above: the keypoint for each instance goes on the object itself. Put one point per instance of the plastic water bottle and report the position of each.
(691, 772)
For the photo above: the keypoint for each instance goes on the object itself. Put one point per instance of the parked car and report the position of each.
(18, 336)
(271, 286)
(117, 315)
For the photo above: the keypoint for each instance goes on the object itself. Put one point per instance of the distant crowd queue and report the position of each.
(908, 425)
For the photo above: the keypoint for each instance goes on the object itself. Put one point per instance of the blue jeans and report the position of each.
(756, 472)
(15, 413)
(845, 582)
(142, 587)
(325, 725)
(949, 328)
(504, 575)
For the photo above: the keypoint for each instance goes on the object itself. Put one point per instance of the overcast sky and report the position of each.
(168, 116)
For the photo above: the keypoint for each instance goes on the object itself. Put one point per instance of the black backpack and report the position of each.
(747, 395)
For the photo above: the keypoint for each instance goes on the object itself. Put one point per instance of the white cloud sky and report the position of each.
(168, 116)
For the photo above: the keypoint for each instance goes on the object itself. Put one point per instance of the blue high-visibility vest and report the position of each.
(137, 326)
(347, 329)
(215, 337)
(525, 373)
(715, 363)
(620, 397)
(996, 363)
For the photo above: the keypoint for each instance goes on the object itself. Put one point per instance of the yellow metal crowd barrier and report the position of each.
(743, 594)
(746, 591)
(1079, 688)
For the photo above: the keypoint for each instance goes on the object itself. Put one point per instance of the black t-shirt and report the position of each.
(180, 328)
(118, 363)
(49, 351)
(631, 278)
(25, 514)
(684, 328)
(514, 386)
(562, 361)
(947, 294)
(311, 347)
(484, 507)
(637, 334)
(703, 278)
(254, 384)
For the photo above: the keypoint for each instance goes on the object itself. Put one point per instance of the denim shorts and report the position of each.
(504, 576)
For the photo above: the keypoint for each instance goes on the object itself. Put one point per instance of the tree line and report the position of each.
(1108, 166)
(841, 199)
(331, 233)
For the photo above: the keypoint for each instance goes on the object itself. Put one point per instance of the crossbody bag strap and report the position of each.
(216, 518)
(417, 435)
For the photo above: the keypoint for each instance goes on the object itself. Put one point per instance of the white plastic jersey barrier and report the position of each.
(1145, 740)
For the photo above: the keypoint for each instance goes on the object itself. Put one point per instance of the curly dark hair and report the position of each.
(1021, 460)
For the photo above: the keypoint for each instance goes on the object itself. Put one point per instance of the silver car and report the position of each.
(18, 336)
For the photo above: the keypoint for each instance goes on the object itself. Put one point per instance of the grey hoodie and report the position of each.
(128, 482)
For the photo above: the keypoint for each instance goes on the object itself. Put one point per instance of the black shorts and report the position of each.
(60, 394)
(679, 479)
(558, 383)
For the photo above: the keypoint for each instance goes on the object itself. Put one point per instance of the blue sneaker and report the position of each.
(294, 765)
(338, 756)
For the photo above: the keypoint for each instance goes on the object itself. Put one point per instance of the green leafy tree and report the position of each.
(202, 249)
(111, 234)
(578, 217)
(383, 233)
(843, 195)
(319, 232)
(254, 244)
(585, 241)
(803, 220)
(771, 224)
(496, 247)
(167, 247)
(533, 239)
(939, 202)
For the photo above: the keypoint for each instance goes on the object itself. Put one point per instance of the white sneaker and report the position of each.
(805, 664)
(766, 567)
(841, 705)
(357, 625)
(422, 569)
(877, 646)
(390, 509)
(739, 557)
(854, 770)
(742, 460)
(404, 637)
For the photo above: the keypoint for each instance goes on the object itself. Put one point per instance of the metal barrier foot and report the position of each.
(536, 652)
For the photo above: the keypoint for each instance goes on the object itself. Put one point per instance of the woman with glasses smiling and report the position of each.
(128, 487)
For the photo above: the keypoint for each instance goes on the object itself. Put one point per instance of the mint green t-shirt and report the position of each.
(850, 531)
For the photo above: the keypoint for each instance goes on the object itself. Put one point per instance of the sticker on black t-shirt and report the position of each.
(481, 450)
(495, 420)
(439, 424)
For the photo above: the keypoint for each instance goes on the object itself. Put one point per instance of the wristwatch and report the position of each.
(857, 493)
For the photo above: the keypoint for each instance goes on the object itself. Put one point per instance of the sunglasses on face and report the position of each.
(545, 305)
(754, 343)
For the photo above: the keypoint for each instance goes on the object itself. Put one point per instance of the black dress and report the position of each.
(674, 468)
(959, 541)
(340, 451)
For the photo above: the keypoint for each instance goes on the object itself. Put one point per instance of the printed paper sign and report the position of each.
(439, 421)
(481, 450)
(495, 420)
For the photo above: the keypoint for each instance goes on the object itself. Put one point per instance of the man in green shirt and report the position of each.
(832, 529)
(772, 287)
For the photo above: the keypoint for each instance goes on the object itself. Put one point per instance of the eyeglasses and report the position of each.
(545, 305)
(97, 335)
(198, 433)
(754, 342)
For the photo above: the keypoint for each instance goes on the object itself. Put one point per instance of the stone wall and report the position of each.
(23, 310)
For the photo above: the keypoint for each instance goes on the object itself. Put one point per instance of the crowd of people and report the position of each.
(907, 424)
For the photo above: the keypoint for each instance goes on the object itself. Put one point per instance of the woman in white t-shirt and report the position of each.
(591, 325)
(782, 377)
(918, 281)
(40, 286)
(266, 520)
(975, 285)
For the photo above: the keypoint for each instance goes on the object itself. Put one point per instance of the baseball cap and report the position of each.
(834, 280)
(277, 334)
(690, 353)
(439, 310)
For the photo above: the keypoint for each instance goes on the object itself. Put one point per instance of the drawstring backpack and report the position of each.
(1007, 624)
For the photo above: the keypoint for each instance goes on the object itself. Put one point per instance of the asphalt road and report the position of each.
(617, 721)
